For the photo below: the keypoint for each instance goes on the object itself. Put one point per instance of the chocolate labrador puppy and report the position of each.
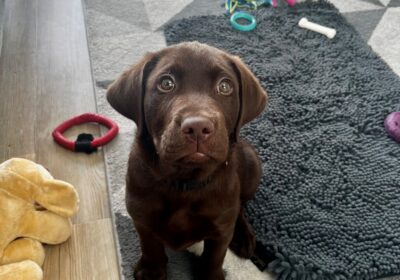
(189, 173)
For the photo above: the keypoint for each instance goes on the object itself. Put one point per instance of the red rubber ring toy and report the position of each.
(85, 142)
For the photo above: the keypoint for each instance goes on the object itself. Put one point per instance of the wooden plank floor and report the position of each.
(45, 78)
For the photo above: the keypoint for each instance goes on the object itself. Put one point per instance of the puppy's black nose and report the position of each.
(197, 128)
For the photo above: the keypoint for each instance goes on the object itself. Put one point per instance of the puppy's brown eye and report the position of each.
(225, 87)
(166, 84)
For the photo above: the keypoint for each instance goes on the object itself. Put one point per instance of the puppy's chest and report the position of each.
(183, 225)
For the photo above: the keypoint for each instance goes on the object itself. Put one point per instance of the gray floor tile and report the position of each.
(347, 6)
(102, 25)
(394, 3)
(385, 40)
(200, 8)
(385, 2)
(111, 55)
(131, 11)
(365, 22)
(376, 2)
(160, 12)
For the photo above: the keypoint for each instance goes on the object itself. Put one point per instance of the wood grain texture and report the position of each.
(1, 22)
(17, 71)
(88, 254)
(45, 78)
(65, 89)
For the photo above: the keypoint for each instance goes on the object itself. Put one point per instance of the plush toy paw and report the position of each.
(25, 270)
(23, 249)
(34, 208)
(32, 182)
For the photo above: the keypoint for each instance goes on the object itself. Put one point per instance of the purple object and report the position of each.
(392, 125)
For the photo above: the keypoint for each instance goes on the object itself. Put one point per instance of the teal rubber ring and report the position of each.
(241, 27)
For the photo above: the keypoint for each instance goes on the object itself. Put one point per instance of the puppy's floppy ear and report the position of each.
(253, 96)
(126, 94)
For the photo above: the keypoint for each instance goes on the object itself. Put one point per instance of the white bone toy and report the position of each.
(328, 32)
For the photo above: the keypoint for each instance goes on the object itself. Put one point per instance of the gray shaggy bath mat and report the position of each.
(329, 202)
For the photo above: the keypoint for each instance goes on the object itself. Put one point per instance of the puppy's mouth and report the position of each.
(196, 157)
(196, 153)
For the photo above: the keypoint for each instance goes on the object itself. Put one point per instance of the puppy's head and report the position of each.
(190, 100)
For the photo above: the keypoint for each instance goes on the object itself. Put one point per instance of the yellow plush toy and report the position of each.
(34, 209)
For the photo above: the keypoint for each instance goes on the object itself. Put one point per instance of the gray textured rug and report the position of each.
(329, 202)
(330, 195)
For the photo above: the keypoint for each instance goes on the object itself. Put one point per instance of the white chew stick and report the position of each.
(328, 32)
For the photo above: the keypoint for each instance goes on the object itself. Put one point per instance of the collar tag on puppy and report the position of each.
(188, 185)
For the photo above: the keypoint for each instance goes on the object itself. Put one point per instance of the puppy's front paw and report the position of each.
(244, 248)
(217, 274)
(146, 271)
(244, 240)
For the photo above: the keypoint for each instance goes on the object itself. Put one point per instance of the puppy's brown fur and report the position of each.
(188, 134)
